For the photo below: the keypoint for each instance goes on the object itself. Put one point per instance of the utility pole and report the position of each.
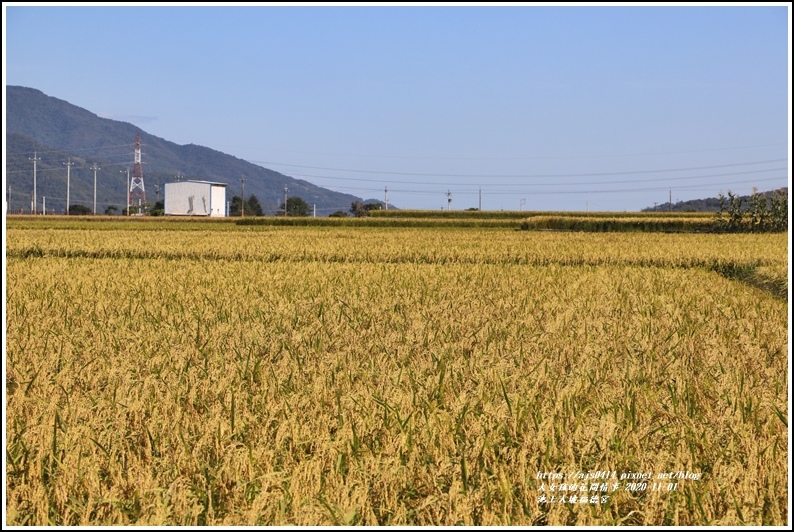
(33, 206)
(95, 168)
(315, 210)
(386, 198)
(243, 202)
(43, 205)
(670, 201)
(157, 191)
(449, 199)
(285, 200)
(521, 204)
(480, 205)
(69, 165)
(128, 189)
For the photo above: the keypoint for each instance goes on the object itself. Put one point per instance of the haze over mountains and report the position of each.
(56, 130)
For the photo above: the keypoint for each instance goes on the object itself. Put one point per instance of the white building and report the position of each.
(195, 198)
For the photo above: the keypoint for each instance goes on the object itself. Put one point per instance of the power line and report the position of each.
(75, 149)
(56, 169)
(494, 187)
(544, 184)
(610, 191)
(468, 175)
(520, 158)
(465, 191)
(630, 172)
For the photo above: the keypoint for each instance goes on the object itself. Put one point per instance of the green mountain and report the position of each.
(55, 130)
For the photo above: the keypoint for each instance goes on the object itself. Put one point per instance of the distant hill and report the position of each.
(704, 205)
(55, 130)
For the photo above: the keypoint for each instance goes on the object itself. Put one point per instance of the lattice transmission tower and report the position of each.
(137, 191)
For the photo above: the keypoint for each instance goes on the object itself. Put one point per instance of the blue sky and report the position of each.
(539, 107)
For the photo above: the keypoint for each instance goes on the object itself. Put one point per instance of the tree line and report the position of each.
(296, 206)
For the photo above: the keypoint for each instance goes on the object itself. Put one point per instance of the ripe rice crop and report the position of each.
(400, 245)
(520, 215)
(678, 224)
(369, 376)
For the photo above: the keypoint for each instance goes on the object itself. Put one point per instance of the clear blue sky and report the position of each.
(542, 108)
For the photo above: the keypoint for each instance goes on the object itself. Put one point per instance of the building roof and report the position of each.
(203, 182)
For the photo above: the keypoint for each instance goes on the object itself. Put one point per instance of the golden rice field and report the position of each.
(212, 374)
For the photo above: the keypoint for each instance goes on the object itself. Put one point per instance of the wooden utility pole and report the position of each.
(243, 202)
(95, 168)
(33, 205)
(69, 165)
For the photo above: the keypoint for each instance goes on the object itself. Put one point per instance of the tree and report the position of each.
(253, 207)
(338, 214)
(79, 210)
(111, 210)
(358, 209)
(158, 209)
(295, 207)
(235, 207)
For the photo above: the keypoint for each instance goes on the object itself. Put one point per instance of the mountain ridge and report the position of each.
(57, 130)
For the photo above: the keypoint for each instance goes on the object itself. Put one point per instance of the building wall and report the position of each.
(187, 198)
(218, 201)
